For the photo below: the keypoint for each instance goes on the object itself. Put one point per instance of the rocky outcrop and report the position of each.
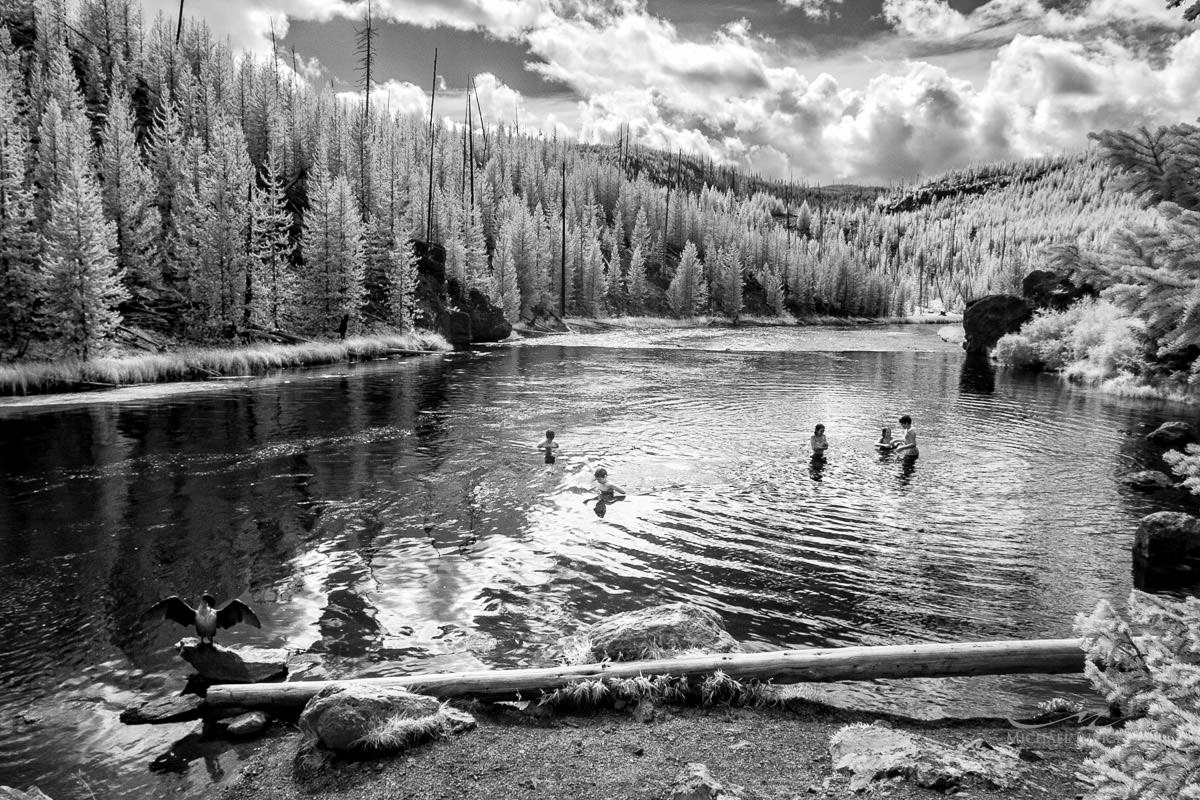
(229, 665)
(355, 718)
(1147, 480)
(179, 708)
(695, 782)
(1166, 550)
(1046, 288)
(1174, 433)
(463, 319)
(989, 318)
(657, 632)
(868, 753)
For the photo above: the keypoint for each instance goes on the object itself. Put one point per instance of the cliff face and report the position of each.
(463, 318)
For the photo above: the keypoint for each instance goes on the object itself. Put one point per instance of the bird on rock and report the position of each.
(206, 617)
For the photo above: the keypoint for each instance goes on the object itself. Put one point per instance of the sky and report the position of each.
(823, 91)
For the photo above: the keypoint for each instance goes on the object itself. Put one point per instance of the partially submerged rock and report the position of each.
(873, 752)
(32, 793)
(1147, 480)
(357, 718)
(179, 708)
(657, 632)
(1173, 433)
(695, 782)
(247, 724)
(233, 665)
(1166, 550)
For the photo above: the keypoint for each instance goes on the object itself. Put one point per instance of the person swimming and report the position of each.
(548, 447)
(609, 493)
(886, 443)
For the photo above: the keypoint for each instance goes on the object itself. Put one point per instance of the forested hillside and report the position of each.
(151, 173)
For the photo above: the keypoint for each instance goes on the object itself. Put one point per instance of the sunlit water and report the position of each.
(395, 517)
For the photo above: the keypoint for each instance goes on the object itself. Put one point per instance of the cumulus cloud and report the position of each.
(814, 9)
(936, 20)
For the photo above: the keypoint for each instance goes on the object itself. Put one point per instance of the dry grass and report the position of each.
(712, 690)
(399, 732)
(200, 363)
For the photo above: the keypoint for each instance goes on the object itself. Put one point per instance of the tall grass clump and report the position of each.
(195, 363)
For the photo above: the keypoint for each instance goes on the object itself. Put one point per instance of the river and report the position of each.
(393, 516)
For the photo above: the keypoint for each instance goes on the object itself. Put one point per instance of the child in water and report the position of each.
(908, 448)
(818, 443)
(885, 441)
(607, 493)
(549, 446)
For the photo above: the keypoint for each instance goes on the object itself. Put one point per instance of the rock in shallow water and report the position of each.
(233, 665)
(356, 718)
(1166, 550)
(1173, 433)
(872, 752)
(32, 793)
(247, 724)
(657, 632)
(1147, 480)
(179, 708)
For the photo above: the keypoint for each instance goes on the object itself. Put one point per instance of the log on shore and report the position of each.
(784, 666)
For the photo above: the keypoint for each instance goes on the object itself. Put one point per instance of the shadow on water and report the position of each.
(978, 374)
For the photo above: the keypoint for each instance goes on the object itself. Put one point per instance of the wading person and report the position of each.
(548, 447)
(818, 443)
(907, 447)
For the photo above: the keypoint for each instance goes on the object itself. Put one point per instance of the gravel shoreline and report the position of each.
(777, 753)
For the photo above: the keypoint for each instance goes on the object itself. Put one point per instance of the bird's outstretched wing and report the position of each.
(174, 609)
(236, 611)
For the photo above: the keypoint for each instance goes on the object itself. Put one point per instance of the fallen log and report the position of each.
(784, 666)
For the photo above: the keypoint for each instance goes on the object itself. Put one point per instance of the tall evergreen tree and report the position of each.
(688, 295)
(18, 234)
(82, 288)
(271, 249)
(332, 247)
(128, 193)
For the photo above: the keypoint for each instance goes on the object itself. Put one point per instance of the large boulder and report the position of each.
(989, 318)
(1173, 433)
(1166, 550)
(487, 321)
(695, 782)
(233, 665)
(657, 632)
(1046, 288)
(352, 717)
(462, 317)
(868, 753)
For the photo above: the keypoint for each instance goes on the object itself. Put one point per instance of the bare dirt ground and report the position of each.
(774, 753)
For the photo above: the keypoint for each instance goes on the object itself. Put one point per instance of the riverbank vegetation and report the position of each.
(1145, 329)
(197, 363)
(149, 173)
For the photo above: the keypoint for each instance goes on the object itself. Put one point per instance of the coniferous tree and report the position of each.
(332, 248)
(221, 281)
(82, 281)
(402, 285)
(637, 279)
(505, 275)
(271, 249)
(687, 294)
(128, 193)
(18, 233)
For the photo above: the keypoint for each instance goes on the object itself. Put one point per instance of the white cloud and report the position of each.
(814, 9)
(936, 20)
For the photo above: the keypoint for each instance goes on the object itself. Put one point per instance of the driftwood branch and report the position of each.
(784, 666)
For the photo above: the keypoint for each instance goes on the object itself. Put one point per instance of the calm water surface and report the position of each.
(394, 517)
